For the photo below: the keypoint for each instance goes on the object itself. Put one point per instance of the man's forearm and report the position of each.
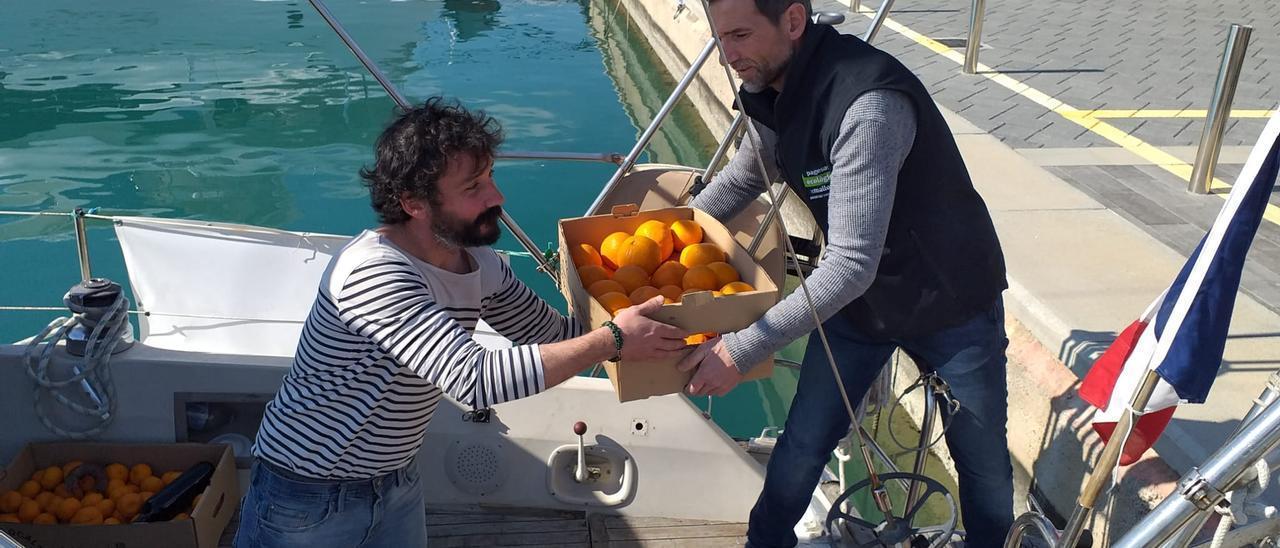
(565, 359)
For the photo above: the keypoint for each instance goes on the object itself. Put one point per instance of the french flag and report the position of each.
(1182, 334)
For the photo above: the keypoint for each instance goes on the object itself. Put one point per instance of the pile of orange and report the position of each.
(657, 259)
(46, 499)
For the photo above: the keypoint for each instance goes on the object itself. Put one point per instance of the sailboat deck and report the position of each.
(507, 526)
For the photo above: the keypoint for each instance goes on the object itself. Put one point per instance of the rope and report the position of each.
(1241, 503)
(92, 374)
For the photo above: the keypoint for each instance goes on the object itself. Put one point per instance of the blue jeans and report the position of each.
(970, 357)
(285, 509)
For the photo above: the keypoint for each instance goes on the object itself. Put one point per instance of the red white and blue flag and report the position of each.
(1182, 334)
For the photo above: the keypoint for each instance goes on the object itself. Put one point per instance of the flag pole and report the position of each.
(1100, 479)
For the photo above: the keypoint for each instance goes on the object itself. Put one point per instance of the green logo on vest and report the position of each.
(817, 182)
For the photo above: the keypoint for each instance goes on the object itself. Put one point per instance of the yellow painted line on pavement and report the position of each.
(1197, 113)
(1083, 118)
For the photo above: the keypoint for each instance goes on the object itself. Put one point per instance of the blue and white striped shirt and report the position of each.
(387, 337)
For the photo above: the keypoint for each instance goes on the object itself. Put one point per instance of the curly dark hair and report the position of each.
(414, 151)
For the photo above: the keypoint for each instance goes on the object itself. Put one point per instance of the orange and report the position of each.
(44, 499)
(736, 287)
(669, 273)
(613, 302)
(672, 293)
(107, 507)
(70, 466)
(91, 499)
(45, 519)
(111, 521)
(10, 501)
(658, 232)
(639, 251)
(9, 518)
(585, 254)
(609, 248)
(37, 475)
(643, 294)
(701, 254)
(725, 273)
(129, 504)
(87, 516)
(605, 286)
(29, 489)
(591, 274)
(685, 233)
(131, 488)
(61, 490)
(169, 476)
(115, 488)
(631, 278)
(118, 471)
(145, 495)
(138, 473)
(152, 484)
(181, 517)
(67, 508)
(28, 510)
(699, 278)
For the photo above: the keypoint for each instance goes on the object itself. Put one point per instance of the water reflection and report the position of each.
(471, 18)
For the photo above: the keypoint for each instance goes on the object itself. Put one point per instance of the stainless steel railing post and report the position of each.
(630, 161)
(976, 11)
(82, 245)
(878, 21)
(732, 132)
(1215, 123)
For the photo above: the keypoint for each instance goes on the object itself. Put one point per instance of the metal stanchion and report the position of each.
(1215, 123)
(855, 6)
(878, 21)
(82, 245)
(976, 11)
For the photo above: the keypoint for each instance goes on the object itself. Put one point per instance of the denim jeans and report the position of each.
(286, 509)
(969, 357)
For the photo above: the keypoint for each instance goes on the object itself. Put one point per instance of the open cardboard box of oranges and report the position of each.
(38, 509)
(711, 284)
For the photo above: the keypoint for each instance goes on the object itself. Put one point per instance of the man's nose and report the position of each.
(495, 197)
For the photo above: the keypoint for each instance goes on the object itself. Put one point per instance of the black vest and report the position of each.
(941, 262)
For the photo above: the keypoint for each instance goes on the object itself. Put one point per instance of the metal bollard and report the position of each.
(976, 11)
(1215, 123)
(855, 6)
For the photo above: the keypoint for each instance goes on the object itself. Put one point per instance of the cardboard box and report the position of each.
(210, 517)
(698, 312)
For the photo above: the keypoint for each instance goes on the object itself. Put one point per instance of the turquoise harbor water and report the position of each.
(254, 112)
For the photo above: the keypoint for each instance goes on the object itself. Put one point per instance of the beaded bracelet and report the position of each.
(617, 340)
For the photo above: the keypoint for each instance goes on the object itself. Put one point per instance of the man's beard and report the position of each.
(765, 74)
(481, 231)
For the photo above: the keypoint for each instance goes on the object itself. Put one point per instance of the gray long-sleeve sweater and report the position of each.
(875, 137)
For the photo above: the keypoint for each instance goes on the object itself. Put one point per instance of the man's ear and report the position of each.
(794, 20)
(413, 206)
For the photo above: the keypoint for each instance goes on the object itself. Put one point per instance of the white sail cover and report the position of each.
(225, 288)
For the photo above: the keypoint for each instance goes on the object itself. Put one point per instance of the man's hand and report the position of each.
(717, 374)
(644, 339)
